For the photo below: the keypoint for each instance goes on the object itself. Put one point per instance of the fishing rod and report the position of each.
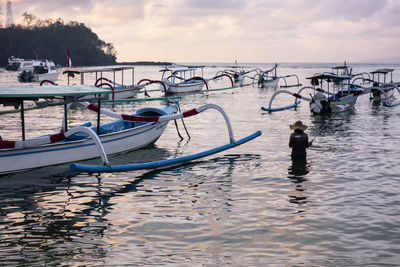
(323, 126)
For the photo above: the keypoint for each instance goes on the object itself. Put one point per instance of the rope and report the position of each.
(183, 122)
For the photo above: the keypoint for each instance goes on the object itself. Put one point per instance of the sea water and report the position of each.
(249, 206)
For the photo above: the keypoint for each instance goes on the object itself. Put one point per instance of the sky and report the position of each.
(233, 30)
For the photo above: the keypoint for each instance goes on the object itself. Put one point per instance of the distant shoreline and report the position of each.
(146, 63)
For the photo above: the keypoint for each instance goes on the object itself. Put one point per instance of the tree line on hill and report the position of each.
(51, 39)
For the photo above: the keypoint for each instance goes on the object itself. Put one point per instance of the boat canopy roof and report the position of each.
(179, 69)
(22, 92)
(326, 76)
(382, 71)
(109, 69)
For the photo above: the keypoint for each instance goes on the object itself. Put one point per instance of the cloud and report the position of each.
(249, 30)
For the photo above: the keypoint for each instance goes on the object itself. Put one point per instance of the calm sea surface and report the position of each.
(248, 206)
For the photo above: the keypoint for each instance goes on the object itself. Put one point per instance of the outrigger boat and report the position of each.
(270, 79)
(338, 96)
(117, 90)
(178, 80)
(237, 73)
(381, 87)
(127, 132)
(183, 79)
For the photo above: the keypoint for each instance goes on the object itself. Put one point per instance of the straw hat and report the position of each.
(298, 125)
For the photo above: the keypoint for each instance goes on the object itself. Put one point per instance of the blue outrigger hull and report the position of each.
(159, 164)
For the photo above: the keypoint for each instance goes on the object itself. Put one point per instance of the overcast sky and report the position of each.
(229, 30)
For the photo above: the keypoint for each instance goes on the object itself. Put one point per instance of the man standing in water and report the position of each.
(299, 141)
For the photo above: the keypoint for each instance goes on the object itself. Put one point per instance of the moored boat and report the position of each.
(42, 70)
(334, 94)
(181, 80)
(78, 143)
(127, 132)
(382, 88)
(111, 78)
(20, 64)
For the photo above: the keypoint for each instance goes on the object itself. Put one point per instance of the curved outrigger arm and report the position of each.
(49, 139)
(154, 81)
(163, 118)
(220, 76)
(315, 89)
(168, 162)
(297, 96)
(363, 80)
(386, 103)
(362, 76)
(290, 85)
(197, 78)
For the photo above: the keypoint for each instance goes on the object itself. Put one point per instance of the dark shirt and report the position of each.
(299, 142)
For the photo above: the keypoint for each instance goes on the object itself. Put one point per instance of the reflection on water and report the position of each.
(296, 173)
(250, 206)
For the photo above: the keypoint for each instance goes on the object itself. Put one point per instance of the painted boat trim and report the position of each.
(162, 163)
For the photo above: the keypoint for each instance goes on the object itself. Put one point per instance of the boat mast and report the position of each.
(22, 120)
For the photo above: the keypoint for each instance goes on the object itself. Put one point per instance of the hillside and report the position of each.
(48, 39)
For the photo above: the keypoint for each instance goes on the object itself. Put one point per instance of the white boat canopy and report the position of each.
(15, 95)
(25, 92)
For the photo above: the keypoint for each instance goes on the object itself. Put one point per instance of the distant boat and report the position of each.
(20, 64)
(270, 79)
(382, 87)
(181, 80)
(339, 95)
(118, 90)
(42, 70)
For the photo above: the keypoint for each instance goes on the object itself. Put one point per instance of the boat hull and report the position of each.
(52, 76)
(272, 83)
(14, 160)
(334, 106)
(344, 103)
(123, 92)
(185, 87)
(120, 92)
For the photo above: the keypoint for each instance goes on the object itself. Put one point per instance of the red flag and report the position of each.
(69, 62)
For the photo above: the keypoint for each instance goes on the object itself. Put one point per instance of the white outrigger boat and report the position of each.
(117, 90)
(381, 89)
(127, 132)
(181, 80)
(339, 95)
(270, 79)
(237, 73)
(44, 70)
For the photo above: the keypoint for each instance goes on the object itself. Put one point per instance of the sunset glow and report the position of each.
(229, 30)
